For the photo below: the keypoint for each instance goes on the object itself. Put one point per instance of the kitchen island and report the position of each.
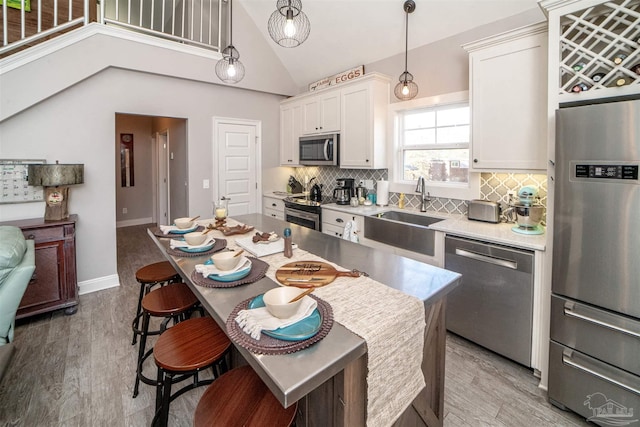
(329, 378)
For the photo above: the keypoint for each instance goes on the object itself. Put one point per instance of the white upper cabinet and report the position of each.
(508, 91)
(357, 110)
(290, 130)
(364, 118)
(321, 113)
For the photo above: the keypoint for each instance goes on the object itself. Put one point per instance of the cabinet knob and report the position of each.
(552, 163)
(31, 237)
(367, 160)
(273, 204)
(475, 160)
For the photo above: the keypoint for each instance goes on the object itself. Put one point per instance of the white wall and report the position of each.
(77, 126)
(137, 199)
(443, 66)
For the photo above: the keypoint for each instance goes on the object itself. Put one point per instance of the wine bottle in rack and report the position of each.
(580, 87)
(636, 68)
(597, 77)
(619, 58)
(577, 67)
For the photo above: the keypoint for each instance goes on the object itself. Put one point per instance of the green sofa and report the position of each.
(17, 263)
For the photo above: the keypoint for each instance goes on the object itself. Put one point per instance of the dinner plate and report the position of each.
(184, 230)
(237, 275)
(197, 248)
(302, 330)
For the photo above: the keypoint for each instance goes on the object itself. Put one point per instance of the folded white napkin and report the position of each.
(255, 320)
(208, 269)
(183, 244)
(168, 228)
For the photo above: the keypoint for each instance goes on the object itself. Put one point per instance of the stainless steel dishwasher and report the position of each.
(493, 306)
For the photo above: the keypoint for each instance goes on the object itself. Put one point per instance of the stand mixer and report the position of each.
(528, 212)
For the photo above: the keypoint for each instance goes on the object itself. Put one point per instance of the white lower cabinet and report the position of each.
(333, 222)
(273, 207)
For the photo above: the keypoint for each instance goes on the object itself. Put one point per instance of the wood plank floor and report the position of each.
(79, 370)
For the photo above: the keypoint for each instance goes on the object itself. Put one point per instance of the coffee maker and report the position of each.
(344, 191)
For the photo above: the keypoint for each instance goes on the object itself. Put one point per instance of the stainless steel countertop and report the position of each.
(290, 377)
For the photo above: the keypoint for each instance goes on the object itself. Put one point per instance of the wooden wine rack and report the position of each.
(600, 51)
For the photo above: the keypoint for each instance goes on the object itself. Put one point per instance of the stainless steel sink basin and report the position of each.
(402, 230)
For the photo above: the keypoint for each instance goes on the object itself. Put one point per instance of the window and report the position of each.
(433, 142)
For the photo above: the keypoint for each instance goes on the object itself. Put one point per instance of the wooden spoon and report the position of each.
(194, 218)
(238, 254)
(302, 295)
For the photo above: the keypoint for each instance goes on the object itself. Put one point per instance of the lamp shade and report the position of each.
(55, 175)
(288, 25)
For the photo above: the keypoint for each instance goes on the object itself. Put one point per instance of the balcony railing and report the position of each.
(201, 23)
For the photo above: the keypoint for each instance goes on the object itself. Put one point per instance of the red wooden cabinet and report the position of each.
(54, 284)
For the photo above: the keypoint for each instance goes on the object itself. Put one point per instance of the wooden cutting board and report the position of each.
(311, 274)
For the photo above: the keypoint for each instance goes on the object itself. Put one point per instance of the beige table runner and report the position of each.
(392, 324)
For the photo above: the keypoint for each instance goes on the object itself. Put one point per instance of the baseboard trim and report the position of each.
(98, 284)
(130, 222)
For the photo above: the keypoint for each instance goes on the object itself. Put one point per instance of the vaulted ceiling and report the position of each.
(348, 33)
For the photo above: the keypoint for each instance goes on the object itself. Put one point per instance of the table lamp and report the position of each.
(55, 178)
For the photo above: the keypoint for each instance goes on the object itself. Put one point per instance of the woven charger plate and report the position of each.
(258, 271)
(219, 245)
(270, 345)
(158, 232)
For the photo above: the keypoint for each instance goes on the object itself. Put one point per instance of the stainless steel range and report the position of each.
(304, 212)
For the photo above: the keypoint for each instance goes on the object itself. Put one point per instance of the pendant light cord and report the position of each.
(230, 22)
(406, 39)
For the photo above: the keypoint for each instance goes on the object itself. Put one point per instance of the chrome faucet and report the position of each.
(421, 188)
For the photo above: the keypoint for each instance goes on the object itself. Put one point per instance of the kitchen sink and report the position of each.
(402, 230)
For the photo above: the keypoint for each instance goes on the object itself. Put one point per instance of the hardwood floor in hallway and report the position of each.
(79, 370)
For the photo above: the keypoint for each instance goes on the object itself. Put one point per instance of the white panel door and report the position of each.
(237, 168)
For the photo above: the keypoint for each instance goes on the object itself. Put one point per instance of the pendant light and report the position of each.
(229, 69)
(288, 25)
(406, 89)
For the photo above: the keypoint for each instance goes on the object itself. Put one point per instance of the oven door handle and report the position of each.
(301, 214)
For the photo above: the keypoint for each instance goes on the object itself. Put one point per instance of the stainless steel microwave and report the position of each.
(319, 150)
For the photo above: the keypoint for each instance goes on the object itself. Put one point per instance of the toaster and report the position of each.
(484, 210)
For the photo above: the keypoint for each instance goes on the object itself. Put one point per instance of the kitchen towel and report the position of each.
(351, 231)
(208, 269)
(255, 320)
(261, 249)
(182, 244)
(382, 193)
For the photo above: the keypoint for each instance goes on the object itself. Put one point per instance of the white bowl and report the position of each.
(277, 301)
(183, 223)
(195, 238)
(225, 260)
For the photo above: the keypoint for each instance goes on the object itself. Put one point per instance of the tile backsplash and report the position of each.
(493, 186)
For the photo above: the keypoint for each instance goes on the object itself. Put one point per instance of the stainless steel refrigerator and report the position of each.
(594, 358)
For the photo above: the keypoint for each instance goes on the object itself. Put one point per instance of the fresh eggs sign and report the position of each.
(342, 77)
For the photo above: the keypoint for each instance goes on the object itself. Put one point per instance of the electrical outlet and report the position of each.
(205, 183)
(124, 210)
(368, 184)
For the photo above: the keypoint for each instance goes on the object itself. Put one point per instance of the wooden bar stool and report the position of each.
(159, 273)
(182, 352)
(173, 302)
(240, 398)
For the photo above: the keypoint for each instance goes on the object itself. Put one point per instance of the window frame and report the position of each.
(465, 190)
